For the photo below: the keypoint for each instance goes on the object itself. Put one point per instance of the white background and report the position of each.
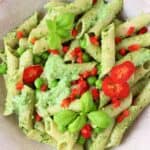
(13, 12)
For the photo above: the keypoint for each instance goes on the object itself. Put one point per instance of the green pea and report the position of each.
(45, 55)
(86, 57)
(98, 84)
(100, 119)
(77, 124)
(38, 83)
(81, 140)
(3, 68)
(54, 83)
(20, 51)
(83, 43)
(91, 80)
(37, 59)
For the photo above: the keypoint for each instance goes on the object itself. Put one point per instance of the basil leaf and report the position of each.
(87, 104)
(63, 33)
(54, 41)
(65, 20)
(100, 119)
(77, 124)
(64, 117)
(51, 26)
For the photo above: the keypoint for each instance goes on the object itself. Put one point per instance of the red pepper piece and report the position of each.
(53, 51)
(131, 31)
(38, 117)
(122, 52)
(95, 94)
(115, 90)
(86, 74)
(19, 86)
(120, 118)
(83, 87)
(126, 113)
(118, 40)
(33, 40)
(66, 102)
(116, 103)
(74, 32)
(94, 71)
(65, 49)
(44, 87)
(94, 40)
(19, 35)
(122, 72)
(143, 30)
(134, 47)
(86, 131)
(31, 73)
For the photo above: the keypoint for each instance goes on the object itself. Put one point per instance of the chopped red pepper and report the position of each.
(86, 131)
(95, 94)
(126, 113)
(19, 86)
(31, 73)
(65, 49)
(53, 51)
(116, 102)
(75, 92)
(94, 40)
(123, 115)
(134, 47)
(44, 87)
(122, 52)
(86, 74)
(83, 86)
(38, 117)
(74, 32)
(115, 90)
(19, 35)
(130, 31)
(79, 60)
(122, 72)
(94, 71)
(118, 40)
(143, 30)
(66, 102)
(94, 2)
(33, 40)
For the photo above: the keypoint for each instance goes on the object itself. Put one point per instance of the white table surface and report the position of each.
(13, 12)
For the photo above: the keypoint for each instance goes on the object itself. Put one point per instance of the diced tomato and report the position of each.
(44, 87)
(94, 2)
(94, 40)
(19, 35)
(122, 72)
(79, 60)
(86, 74)
(19, 86)
(116, 102)
(134, 47)
(74, 32)
(126, 113)
(122, 52)
(83, 86)
(76, 52)
(66, 102)
(120, 118)
(31, 73)
(65, 49)
(131, 31)
(94, 71)
(86, 131)
(143, 30)
(74, 82)
(38, 117)
(95, 94)
(33, 40)
(75, 92)
(115, 90)
(118, 40)
(53, 51)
